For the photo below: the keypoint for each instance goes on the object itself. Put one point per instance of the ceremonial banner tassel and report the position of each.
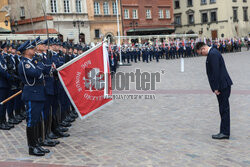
(87, 81)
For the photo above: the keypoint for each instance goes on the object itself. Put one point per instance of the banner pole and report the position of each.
(11, 97)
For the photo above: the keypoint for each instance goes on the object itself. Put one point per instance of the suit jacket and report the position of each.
(218, 76)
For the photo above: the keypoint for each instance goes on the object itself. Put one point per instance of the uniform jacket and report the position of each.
(218, 76)
(4, 75)
(32, 77)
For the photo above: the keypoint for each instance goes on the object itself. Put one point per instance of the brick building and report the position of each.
(67, 18)
(102, 16)
(4, 17)
(147, 17)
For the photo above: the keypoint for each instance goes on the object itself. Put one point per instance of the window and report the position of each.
(190, 3)
(22, 12)
(66, 6)
(114, 7)
(245, 14)
(148, 14)
(135, 15)
(97, 8)
(235, 14)
(177, 20)
(212, 1)
(168, 14)
(161, 16)
(204, 18)
(53, 6)
(203, 2)
(106, 8)
(97, 33)
(213, 16)
(191, 18)
(78, 6)
(244, 0)
(126, 13)
(234, 0)
(177, 4)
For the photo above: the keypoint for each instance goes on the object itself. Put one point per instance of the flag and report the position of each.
(205, 40)
(87, 81)
(177, 44)
(164, 44)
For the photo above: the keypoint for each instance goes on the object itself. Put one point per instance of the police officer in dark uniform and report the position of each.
(166, 50)
(181, 51)
(49, 90)
(5, 78)
(13, 104)
(31, 74)
(188, 51)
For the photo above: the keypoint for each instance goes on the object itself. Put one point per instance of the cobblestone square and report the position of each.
(171, 130)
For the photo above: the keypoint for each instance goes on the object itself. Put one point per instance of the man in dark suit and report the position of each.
(220, 83)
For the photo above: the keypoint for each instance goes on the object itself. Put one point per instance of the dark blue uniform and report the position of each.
(220, 80)
(33, 94)
(4, 89)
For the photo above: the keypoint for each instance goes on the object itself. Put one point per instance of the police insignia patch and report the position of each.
(27, 66)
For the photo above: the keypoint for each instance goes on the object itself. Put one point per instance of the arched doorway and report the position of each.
(110, 36)
(82, 38)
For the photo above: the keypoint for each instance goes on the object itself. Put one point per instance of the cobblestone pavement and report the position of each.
(174, 129)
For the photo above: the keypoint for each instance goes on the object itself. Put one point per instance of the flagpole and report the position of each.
(118, 31)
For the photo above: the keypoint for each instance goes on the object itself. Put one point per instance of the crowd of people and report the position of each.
(30, 67)
(172, 49)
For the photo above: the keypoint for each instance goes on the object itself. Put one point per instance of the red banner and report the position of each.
(87, 81)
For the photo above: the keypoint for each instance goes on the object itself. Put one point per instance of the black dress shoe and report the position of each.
(65, 124)
(55, 141)
(43, 149)
(220, 136)
(35, 151)
(3, 126)
(61, 134)
(13, 121)
(69, 119)
(53, 136)
(9, 124)
(63, 129)
(48, 142)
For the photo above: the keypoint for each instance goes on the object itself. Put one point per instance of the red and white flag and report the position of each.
(87, 81)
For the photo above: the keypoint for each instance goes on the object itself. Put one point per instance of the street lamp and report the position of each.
(78, 23)
(6, 22)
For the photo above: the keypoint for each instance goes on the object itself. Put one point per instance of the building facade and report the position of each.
(4, 17)
(67, 18)
(102, 15)
(212, 18)
(147, 17)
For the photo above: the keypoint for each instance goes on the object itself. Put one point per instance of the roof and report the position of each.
(149, 29)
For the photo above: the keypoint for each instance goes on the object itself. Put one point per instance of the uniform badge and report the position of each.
(27, 66)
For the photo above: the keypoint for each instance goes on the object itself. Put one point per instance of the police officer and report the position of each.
(5, 78)
(49, 91)
(56, 131)
(13, 104)
(31, 74)
(166, 50)
(4, 87)
(181, 50)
